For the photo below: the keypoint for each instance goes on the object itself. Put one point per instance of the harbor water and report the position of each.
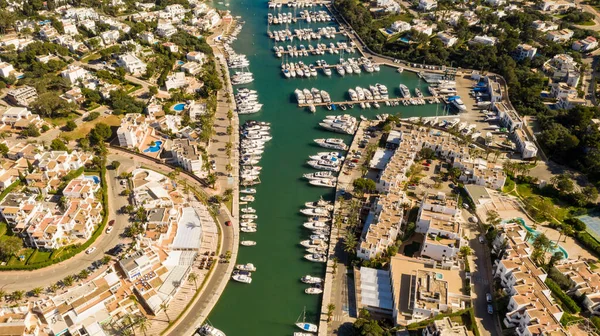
(272, 303)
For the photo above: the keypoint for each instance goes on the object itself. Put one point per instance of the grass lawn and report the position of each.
(525, 190)
(16, 261)
(85, 128)
(39, 257)
(59, 122)
(90, 58)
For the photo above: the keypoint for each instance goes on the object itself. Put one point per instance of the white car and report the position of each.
(109, 229)
(481, 240)
(90, 250)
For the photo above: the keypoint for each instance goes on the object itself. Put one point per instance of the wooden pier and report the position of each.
(430, 99)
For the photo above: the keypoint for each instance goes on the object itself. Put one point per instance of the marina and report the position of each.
(292, 244)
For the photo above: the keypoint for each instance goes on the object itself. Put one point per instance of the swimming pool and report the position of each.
(555, 247)
(155, 148)
(94, 178)
(179, 107)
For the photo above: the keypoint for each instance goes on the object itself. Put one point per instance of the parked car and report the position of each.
(228, 223)
(109, 229)
(481, 240)
(488, 297)
(111, 222)
(90, 250)
(490, 309)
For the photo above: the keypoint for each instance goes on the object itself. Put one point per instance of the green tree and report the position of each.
(31, 131)
(83, 274)
(115, 165)
(70, 125)
(17, 295)
(493, 218)
(211, 179)
(68, 280)
(10, 246)
(58, 145)
(37, 291)
(364, 185)
(153, 90)
(330, 311)
(142, 323)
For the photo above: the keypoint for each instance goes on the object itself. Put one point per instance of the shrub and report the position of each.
(567, 303)
(589, 242)
(561, 280)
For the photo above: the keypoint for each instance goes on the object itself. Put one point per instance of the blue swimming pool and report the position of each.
(180, 63)
(95, 178)
(555, 247)
(155, 148)
(179, 107)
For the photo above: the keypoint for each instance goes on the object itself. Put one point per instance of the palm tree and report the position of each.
(68, 280)
(164, 306)
(52, 288)
(129, 322)
(330, 310)
(83, 274)
(466, 251)
(37, 291)
(193, 277)
(142, 323)
(349, 242)
(17, 295)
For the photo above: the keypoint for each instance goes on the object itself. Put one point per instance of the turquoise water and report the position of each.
(272, 303)
(94, 178)
(555, 247)
(155, 148)
(179, 107)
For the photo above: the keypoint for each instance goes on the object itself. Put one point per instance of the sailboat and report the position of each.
(304, 325)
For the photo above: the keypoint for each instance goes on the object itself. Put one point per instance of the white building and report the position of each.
(586, 44)
(447, 39)
(131, 63)
(176, 81)
(196, 56)
(185, 153)
(525, 51)
(74, 73)
(6, 69)
(427, 5)
(560, 36)
(133, 130)
(484, 39)
(400, 26)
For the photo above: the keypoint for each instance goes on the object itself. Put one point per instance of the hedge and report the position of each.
(467, 315)
(568, 304)
(72, 250)
(589, 242)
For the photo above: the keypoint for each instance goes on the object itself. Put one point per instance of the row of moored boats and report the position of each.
(289, 17)
(303, 34)
(319, 49)
(246, 101)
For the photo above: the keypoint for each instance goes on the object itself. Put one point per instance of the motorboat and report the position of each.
(313, 243)
(242, 278)
(208, 330)
(333, 143)
(404, 91)
(327, 183)
(315, 225)
(309, 279)
(246, 267)
(333, 156)
(324, 165)
(248, 210)
(320, 204)
(320, 258)
(248, 229)
(316, 250)
(319, 175)
(315, 212)
(249, 216)
(313, 291)
(248, 191)
(248, 243)
(247, 198)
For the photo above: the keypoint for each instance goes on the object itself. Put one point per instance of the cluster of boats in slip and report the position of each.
(344, 123)
(319, 49)
(289, 17)
(246, 101)
(306, 96)
(254, 135)
(294, 4)
(242, 77)
(417, 100)
(319, 223)
(237, 61)
(229, 38)
(243, 273)
(303, 34)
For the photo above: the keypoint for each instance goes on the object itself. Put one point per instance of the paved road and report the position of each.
(27, 280)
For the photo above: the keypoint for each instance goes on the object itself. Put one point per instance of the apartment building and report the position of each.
(527, 148)
(60, 163)
(560, 36)
(17, 209)
(484, 39)
(438, 221)
(427, 5)
(19, 320)
(22, 96)
(585, 283)
(185, 153)
(508, 117)
(481, 172)
(19, 118)
(133, 130)
(447, 39)
(586, 44)
(445, 327)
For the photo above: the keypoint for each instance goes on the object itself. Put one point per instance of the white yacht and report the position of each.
(317, 176)
(333, 143)
(246, 267)
(314, 212)
(247, 243)
(353, 95)
(248, 191)
(315, 225)
(458, 103)
(324, 165)
(208, 330)
(327, 183)
(247, 198)
(313, 243)
(248, 229)
(242, 278)
(305, 326)
(316, 258)
(309, 279)
(248, 210)
(249, 216)
(404, 91)
(313, 291)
